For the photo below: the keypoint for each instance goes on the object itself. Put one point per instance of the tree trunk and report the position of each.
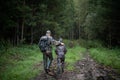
(23, 22)
(79, 31)
(17, 34)
(72, 33)
(110, 38)
(22, 31)
(32, 27)
(31, 35)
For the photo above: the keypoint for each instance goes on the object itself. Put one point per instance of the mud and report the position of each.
(85, 69)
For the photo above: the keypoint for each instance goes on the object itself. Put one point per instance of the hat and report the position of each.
(48, 32)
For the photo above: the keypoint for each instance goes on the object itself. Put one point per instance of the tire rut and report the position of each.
(85, 69)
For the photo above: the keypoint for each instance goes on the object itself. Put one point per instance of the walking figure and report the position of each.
(45, 45)
(60, 51)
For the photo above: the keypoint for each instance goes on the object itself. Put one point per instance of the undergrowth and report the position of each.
(17, 63)
(108, 57)
(24, 62)
(73, 55)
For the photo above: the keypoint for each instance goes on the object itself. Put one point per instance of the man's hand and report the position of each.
(62, 44)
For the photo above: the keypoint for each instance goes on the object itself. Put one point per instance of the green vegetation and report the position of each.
(24, 62)
(73, 55)
(19, 63)
(108, 57)
(25, 21)
(91, 24)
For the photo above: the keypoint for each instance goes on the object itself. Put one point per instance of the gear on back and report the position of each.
(60, 50)
(44, 43)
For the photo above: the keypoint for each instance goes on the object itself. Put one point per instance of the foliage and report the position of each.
(108, 57)
(25, 62)
(90, 43)
(73, 55)
(25, 21)
(20, 63)
(98, 19)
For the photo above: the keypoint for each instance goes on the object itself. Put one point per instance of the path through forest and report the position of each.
(85, 69)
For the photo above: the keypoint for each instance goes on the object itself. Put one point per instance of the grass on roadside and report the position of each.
(107, 57)
(73, 55)
(18, 63)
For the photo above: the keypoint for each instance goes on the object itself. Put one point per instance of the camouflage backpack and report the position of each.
(44, 43)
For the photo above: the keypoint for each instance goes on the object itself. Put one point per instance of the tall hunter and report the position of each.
(45, 45)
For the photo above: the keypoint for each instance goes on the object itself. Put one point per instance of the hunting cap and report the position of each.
(48, 32)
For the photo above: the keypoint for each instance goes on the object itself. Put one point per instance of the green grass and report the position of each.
(74, 54)
(18, 63)
(107, 57)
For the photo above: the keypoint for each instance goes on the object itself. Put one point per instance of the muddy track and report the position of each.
(85, 69)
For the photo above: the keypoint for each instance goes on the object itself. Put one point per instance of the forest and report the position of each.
(84, 25)
(24, 21)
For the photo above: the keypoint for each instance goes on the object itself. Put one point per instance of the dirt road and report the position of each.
(85, 69)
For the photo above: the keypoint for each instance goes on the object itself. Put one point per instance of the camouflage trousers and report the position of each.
(47, 60)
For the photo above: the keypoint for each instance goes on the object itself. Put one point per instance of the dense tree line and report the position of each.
(24, 21)
(100, 20)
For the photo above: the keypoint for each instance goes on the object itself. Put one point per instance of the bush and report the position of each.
(19, 62)
(89, 43)
(108, 57)
(4, 45)
(71, 43)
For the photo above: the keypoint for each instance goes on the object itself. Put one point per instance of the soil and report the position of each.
(85, 69)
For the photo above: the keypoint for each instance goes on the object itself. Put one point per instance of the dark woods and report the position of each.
(24, 21)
